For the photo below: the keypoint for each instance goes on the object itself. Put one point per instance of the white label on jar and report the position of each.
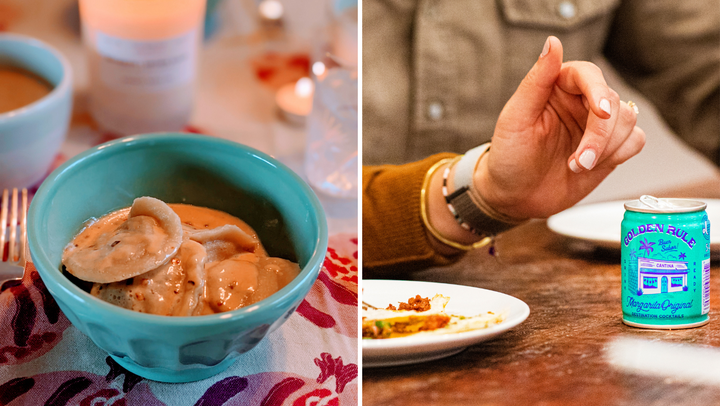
(143, 66)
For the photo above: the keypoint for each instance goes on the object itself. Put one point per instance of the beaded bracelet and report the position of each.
(423, 212)
(449, 197)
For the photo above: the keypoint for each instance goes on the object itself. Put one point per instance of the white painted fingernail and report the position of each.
(546, 48)
(574, 167)
(587, 159)
(605, 106)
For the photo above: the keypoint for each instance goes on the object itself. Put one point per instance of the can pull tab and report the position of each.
(655, 203)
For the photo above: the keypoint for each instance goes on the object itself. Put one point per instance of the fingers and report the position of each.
(572, 112)
(586, 79)
(598, 133)
(578, 95)
(531, 97)
(621, 148)
(624, 138)
(631, 147)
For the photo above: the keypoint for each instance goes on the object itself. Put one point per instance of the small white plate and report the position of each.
(464, 300)
(600, 223)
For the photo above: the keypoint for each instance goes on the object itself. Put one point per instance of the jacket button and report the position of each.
(435, 110)
(567, 9)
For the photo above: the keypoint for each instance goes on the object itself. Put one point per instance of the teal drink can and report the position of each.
(665, 260)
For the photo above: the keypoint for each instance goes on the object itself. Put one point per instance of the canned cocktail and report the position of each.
(665, 263)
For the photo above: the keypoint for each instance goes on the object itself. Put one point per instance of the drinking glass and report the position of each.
(331, 158)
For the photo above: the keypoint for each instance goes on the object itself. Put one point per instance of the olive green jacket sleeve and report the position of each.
(394, 240)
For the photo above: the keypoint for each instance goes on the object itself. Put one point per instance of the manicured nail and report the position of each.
(587, 159)
(605, 106)
(546, 48)
(574, 167)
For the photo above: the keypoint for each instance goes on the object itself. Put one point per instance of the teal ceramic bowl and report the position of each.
(31, 136)
(178, 168)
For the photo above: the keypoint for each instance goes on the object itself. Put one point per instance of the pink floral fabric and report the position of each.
(44, 360)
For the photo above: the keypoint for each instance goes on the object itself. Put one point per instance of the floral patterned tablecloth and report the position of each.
(310, 360)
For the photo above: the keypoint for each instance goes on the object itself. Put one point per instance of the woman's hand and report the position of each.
(562, 132)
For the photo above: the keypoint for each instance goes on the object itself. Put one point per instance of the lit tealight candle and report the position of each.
(295, 100)
(271, 13)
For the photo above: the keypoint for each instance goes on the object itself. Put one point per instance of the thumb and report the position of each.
(530, 98)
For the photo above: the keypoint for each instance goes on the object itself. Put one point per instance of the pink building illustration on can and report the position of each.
(660, 276)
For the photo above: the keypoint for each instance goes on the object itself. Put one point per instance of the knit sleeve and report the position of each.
(394, 239)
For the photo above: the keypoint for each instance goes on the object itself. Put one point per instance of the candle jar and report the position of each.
(142, 62)
(331, 156)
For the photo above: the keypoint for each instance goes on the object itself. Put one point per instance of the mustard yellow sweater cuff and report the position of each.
(394, 237)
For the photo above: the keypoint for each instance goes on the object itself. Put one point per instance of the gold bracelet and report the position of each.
(423, 212)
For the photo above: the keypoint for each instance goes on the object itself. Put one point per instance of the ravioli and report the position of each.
(245, 279)
(125, 244)
(219, 263)
(225, 242)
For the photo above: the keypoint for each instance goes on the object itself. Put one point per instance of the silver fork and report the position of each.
(12, 260)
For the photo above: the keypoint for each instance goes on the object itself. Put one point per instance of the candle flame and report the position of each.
(318, 68)
(304, 87)
(271, 9)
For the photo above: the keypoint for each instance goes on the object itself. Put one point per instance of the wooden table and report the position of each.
(558, 355)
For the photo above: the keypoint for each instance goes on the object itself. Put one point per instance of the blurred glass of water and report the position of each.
(331, 159)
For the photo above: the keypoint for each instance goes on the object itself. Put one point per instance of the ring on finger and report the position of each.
(633, 106)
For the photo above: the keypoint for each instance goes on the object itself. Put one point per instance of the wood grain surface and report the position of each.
(558, 355)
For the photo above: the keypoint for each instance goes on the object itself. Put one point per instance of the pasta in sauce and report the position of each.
(175, 260)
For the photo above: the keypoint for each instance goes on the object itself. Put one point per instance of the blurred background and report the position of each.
(248, 86)
(437, 74)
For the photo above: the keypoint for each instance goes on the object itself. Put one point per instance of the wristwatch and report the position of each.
(468, 204)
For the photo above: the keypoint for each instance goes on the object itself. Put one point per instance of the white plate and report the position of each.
(464, 300)
(600, 223)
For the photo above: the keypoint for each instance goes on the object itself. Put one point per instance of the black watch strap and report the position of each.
(469, 212)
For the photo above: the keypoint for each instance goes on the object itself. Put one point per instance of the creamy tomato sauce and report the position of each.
(217, 265)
